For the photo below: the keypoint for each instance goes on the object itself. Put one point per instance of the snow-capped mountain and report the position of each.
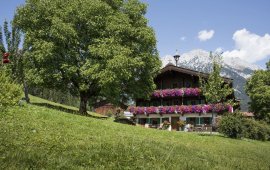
(234, 68)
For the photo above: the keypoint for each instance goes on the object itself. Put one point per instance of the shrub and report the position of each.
(258, 130)
(109, 113)
(231, 125)
(10, 92)
(234, 125)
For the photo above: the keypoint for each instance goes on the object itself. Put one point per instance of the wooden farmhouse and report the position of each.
(178, 97)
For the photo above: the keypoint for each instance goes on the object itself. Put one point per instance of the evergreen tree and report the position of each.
(214, 88)
(15, 67)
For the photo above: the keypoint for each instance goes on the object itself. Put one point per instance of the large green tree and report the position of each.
(258, 89)
(91, 47)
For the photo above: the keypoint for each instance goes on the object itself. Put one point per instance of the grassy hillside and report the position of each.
(39, 137)
(70, 109)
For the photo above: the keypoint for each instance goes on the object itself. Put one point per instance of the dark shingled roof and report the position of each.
(171, 67)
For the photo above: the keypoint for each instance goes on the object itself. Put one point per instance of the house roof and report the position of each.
(171, 67)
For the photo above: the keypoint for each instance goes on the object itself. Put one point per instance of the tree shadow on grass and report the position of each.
(217, 135)
(63, 109)
(208, 134)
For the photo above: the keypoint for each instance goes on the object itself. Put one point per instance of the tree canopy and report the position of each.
(258, 89)
(90, 47)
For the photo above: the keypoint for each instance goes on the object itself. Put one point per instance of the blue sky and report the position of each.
(178, 22)
(240, 28)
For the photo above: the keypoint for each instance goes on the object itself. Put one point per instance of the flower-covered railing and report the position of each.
(176, 92)
(182, 109)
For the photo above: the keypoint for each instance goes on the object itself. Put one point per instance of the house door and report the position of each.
(174, 122)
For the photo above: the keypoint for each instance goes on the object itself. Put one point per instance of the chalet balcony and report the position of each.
(177, 96)
(177, 92)
(182, 109)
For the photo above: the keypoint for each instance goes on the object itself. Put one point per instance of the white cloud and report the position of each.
(204, 35)
(219, 50)
(183, 38)
(249, 46)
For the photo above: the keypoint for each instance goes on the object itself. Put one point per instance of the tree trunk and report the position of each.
(25, 87)
(83, 103)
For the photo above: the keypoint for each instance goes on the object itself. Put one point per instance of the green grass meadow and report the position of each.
(38, 137)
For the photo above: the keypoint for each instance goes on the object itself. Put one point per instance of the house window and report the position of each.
(193, 102)
(174, 85)
(185, 102)
(156, 103)
(165, 119)
(195, 84)
(187, 84)
(154, 121)
(180, 84)
(142, 121)
(191, 120)
(159, 85)
(144, 103)
(206, 120)
(176, 102)
(167, 103)
(166, 85)
(202, 101)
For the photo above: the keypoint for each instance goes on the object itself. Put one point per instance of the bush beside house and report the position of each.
(258, 130)
(235, 125)
(231, 125)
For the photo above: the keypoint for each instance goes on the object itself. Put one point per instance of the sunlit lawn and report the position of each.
(38, 137)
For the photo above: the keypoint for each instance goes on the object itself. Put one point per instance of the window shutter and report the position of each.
(202, 120)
